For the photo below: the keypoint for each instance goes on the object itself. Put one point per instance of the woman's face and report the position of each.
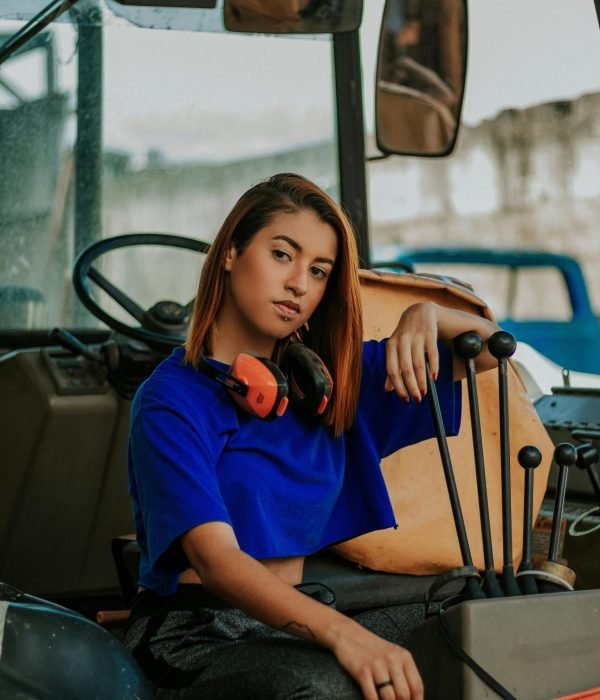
(277, 282)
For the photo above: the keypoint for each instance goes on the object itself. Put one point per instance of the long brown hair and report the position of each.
(335, 328)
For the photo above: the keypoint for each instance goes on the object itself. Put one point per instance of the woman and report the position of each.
(228, 504)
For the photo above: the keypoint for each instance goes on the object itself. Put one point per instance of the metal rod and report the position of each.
(529, 458)
(484, 515)
(594, 481)
(88, 145)
(505, 463)
(351, 137)
(12, 90)
(527, 584)
(527, 518)
(473, 589)
(468, 346)
(440, 432)
(502, 345)
(559, 504)
(490, 585)
(34, 26)
(509, 582)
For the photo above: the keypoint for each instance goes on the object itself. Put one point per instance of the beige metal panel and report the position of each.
(537, 647)
(63, 476)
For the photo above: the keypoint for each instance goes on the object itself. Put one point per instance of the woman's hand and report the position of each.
(384, 671)
(415, 337)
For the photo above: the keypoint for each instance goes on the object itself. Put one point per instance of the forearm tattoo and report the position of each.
(294, 627)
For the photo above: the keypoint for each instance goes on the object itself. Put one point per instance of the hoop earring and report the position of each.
(299, 334)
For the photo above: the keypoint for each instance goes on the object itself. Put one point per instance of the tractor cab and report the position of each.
(127, 130)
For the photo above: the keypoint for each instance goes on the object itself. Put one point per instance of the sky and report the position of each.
(523, 52)
(192, 95)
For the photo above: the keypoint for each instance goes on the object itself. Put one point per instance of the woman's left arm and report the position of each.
(416, 335)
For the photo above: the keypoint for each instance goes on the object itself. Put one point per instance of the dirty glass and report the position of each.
(189, 121)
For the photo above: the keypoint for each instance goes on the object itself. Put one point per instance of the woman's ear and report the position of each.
(229, 258)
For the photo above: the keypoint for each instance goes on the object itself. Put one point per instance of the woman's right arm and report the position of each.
(213, 551)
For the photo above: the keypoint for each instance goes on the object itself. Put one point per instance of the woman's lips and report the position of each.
(287, 308)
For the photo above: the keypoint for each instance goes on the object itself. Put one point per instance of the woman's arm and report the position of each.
(417, 333)
(245, 583)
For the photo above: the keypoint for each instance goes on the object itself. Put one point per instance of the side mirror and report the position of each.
(421, 70)
(292, 16)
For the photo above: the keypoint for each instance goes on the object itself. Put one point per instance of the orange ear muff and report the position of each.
(266, 386)
(309, 381)
(261, 388)
(256, 384)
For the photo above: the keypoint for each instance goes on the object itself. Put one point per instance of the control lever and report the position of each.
(70, 342)
(468, 346)
(555, 576)
(529, 458)
(472, 588)
(587, 456)
(502, 345)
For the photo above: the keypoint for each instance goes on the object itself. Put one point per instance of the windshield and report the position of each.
(180, 123)
(185, 123)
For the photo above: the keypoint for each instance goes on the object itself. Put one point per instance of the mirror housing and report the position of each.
(292, 16)
(421, 71)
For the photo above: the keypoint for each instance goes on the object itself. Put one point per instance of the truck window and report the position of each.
(521, 294)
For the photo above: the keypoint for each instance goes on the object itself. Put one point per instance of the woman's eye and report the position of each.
(281, 255)
(319, 272)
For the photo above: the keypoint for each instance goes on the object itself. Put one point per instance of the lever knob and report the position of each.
(467, 345)
(565, 455)
(587, 455)
(502, 344)
(529, 457)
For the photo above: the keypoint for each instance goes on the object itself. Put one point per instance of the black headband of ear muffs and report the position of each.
(232, 383)
(309, 383)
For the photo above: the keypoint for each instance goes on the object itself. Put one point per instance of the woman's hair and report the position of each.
(335, 329)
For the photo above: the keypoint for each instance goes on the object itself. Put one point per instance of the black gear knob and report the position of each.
(529, 457)
(587, 455)
(502, 344)
(565, 454)
(467, 345)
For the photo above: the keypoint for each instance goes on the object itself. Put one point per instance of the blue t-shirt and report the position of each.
(287, 487)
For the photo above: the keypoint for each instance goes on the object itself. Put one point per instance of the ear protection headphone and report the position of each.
(264, 389)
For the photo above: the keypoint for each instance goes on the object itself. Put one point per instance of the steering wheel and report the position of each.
(164, 325)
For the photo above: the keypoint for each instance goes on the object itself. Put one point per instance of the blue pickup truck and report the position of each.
(571, 340)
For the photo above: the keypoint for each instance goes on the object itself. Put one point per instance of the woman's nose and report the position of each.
(297, 282)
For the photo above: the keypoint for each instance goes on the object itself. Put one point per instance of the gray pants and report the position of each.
(223, 654)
